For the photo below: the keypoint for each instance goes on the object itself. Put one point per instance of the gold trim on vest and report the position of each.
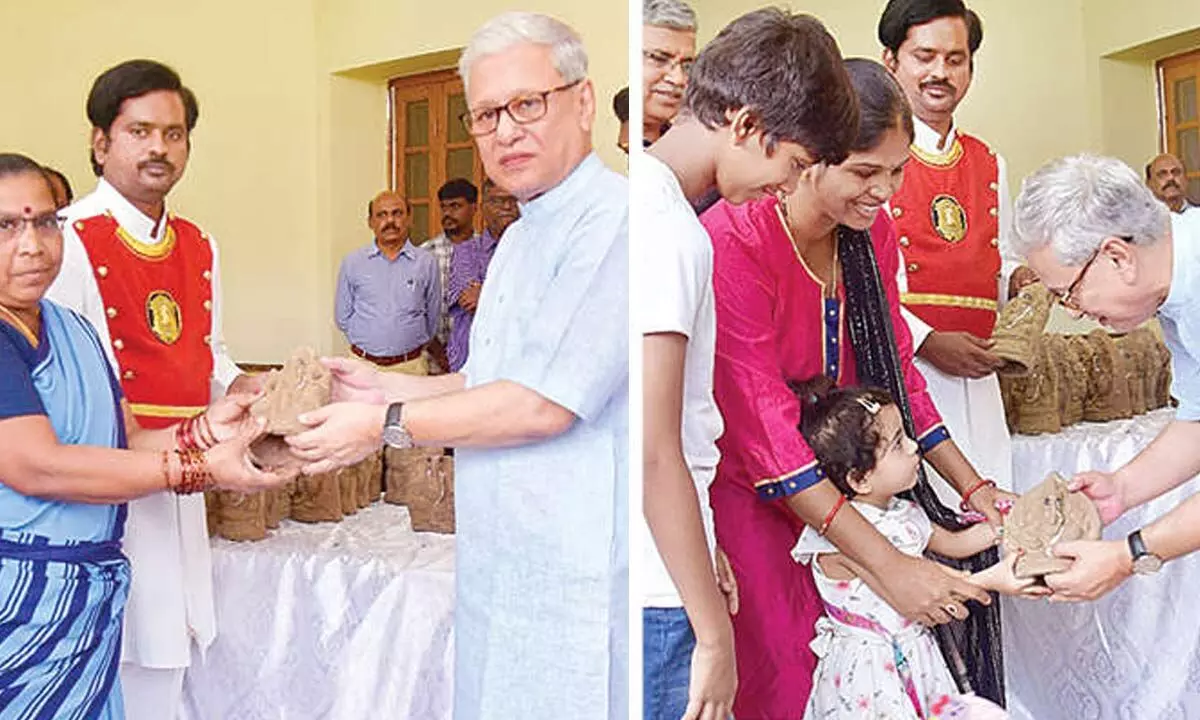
(961, 301)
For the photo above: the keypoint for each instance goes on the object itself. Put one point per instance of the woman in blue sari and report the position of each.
(70, 456)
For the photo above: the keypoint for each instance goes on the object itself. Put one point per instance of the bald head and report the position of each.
(1166, 179)
(389, 218)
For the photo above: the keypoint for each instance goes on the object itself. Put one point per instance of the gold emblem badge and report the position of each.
(948, 218)
(163, 317)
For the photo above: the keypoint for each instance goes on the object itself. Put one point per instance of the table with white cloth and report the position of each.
(337, 621)
(1135, 653)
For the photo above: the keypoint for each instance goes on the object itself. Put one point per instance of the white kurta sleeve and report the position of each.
(1008, 259)
(225, 371)
(916, 326)
(76, 288)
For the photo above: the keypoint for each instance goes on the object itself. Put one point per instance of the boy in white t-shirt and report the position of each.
(749, 128)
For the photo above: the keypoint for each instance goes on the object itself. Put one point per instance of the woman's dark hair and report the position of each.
(840, 431)
(881, 103)
(17, 164)
(620, 104)
(133, 79)
(62, 179)
(901, 15)
(786, 69)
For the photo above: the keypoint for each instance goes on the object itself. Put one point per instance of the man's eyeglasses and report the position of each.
(1064, 296)
(43, 225)
(666, 62)
(523, 110)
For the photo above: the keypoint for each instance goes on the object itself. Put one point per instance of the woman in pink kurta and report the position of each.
(777, 321)
(773, 325)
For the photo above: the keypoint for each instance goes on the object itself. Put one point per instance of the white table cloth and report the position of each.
(1132, 655)
(351, 620)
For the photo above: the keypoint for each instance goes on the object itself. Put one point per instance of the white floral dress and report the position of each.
(863, 644)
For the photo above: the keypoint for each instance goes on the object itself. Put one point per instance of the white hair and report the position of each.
(673, 14)
(1074, 203)
(518, 28)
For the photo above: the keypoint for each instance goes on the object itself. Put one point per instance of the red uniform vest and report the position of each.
(158, 301)
(946, 214)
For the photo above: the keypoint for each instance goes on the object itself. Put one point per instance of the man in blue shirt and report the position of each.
(1102, 243)
(389, 293)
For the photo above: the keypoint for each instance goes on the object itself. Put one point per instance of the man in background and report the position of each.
(1167, 179)
(389, 293)
(468, 268)
(457, 202)
(621, 110)
(668, 51)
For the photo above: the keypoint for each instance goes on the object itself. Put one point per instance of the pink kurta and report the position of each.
(773, 324)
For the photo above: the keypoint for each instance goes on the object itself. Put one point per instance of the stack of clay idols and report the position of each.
(303, 384)
(423, 480)
(1049, 381)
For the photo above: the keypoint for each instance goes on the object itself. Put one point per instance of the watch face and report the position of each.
(1147, 564)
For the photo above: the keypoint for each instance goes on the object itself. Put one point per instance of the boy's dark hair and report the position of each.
(621, 104)
(458, 188)
(882, 104)
(133, 79)
(840, 431)
(902, 15)
(786, 68)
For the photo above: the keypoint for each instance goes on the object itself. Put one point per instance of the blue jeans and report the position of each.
(667, 644)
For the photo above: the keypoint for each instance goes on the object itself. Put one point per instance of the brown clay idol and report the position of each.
(1046, 515)
(302, 385)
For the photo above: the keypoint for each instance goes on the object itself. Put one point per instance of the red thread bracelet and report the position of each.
(829, 518)
(966, 498)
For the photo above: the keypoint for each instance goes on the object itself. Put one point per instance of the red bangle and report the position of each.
(966, 498)
(829, 518)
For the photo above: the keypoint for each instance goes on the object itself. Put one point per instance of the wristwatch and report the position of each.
(1144, 561)
(394, 432)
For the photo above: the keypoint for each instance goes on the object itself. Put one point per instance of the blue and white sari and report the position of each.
(63, 579)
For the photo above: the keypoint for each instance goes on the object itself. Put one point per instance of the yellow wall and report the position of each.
(292, 135)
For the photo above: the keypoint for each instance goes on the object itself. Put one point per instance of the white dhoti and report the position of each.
(973, 412)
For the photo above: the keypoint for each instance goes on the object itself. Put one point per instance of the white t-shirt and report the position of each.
(676, 287)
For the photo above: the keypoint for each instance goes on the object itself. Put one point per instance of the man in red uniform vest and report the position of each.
(148, 281)
(952, 214)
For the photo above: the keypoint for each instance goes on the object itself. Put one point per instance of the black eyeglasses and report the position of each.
(665, 61)
(43, 225)
(1064, 296)
(523, 110)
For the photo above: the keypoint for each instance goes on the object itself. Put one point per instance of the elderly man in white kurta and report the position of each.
(149, 283)
(539, 412)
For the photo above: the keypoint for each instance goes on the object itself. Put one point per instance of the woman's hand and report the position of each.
(230, 417)
(993, 503)
(231, 469)
(927, 592)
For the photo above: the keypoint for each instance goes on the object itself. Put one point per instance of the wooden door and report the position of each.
(1179, 80)
(429, 144)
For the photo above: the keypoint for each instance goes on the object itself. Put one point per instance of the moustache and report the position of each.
(164, 164)
(938, 84)
(1170, 184)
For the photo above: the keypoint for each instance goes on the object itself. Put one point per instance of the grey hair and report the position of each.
(517, 28)
(673, 14)
(1072, 204)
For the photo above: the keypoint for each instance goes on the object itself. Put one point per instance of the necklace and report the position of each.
(830, 289)
(30, 335)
